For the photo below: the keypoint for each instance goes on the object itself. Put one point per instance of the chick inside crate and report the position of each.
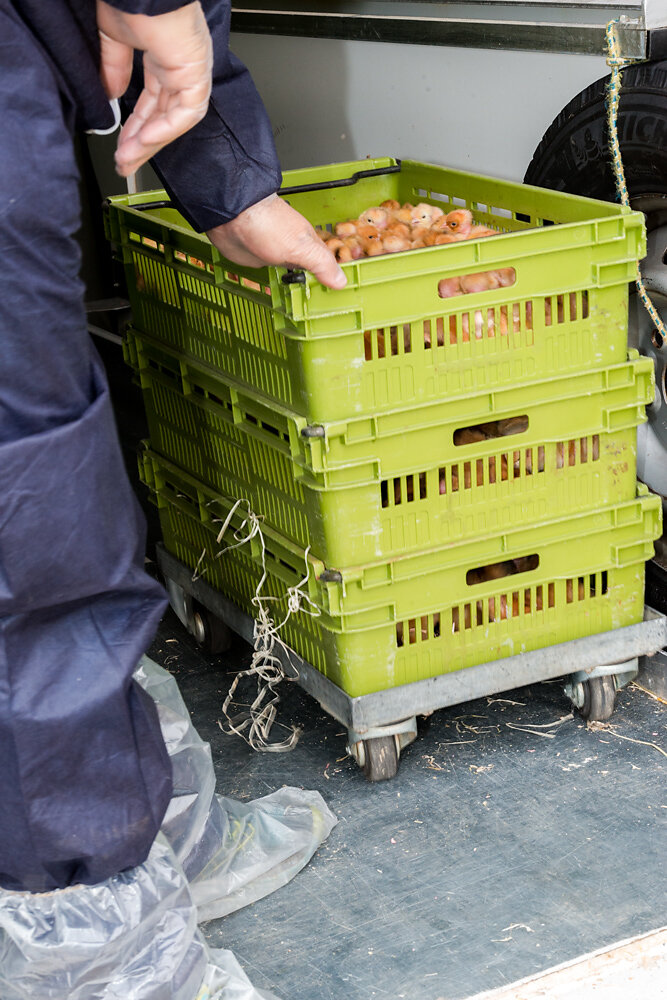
(368, 629)
(568, 446)
(396, 336)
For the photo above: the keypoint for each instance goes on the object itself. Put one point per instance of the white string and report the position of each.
(255, 529)
(115, 107)
(266, 665)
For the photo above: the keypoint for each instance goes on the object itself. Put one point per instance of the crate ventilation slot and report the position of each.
(486, 611)
(147, 242)
(475, 325)
(265, 426)
(507, 466)
(249, 283)
(197, 262)
(154, 278)
(199, 390)
(166, 372)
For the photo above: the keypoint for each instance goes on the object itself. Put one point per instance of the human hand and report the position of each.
(178, 63)
(272, 232)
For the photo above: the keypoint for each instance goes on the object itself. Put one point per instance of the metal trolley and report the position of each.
(381, 724)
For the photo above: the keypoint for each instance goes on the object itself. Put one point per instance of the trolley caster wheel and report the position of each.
(209, 631)
(380, 758)
(599, 698)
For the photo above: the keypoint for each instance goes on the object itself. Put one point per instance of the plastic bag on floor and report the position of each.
(261, 846)
(233, 853)
(226, 980)
(133, 937)
(193, 777)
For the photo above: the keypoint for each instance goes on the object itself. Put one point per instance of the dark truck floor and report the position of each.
(513, 839)
(501, 848)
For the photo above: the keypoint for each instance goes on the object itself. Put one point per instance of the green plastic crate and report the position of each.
(376, 627)
(388, 340)
(568, 460)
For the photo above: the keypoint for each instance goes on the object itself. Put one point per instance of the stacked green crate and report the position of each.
(386, 624)
(458, 475)
(357, 498)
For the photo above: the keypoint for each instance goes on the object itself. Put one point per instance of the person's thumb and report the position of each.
(115, 66)
(321, 262)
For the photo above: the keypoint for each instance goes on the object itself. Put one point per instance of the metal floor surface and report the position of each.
(512, 840)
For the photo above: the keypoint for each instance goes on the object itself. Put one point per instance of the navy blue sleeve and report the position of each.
(228, 161)
(150, 7)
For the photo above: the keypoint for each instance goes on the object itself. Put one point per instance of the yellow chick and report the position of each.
(369, 238)
(459, 223)
(448, 287)
(393, 243)
(353, 244)
(481, 282)
(404, 213)
(506, 276)
(334, 244)
(343, 229)
(375, 216)
(425, 214)
(399, 229)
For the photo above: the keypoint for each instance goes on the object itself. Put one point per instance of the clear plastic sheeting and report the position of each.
(193, 796)
(226, 980)
(262, 845)
(133, 937)
(233, 853)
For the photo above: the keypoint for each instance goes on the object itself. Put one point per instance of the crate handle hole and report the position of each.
(476, 281)
(498, 570)
(506, 427)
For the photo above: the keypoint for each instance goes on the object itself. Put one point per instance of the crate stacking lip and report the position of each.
(572, 453)
(389, 339)
(374, 627)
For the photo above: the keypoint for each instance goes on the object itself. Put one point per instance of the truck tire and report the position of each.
(573, 156)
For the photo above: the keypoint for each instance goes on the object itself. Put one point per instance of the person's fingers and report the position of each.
(160, 116)
(136, 147)
(178, 61)
(272, 232)
(171, 112)
(143, 110)
(115, 66)
(313, 256)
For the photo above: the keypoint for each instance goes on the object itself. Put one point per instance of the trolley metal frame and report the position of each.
(393, 712)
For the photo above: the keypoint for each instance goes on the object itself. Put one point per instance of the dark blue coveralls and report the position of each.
(84, 774)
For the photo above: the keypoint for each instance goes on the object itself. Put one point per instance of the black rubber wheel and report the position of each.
(380, 758)
(573, 154)
(599, 699)
(210, 632)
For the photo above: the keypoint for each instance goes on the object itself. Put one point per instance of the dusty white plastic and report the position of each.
(233, 853)
(135, 936)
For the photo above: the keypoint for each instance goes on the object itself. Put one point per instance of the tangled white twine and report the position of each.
(616, 63)
(266, 663)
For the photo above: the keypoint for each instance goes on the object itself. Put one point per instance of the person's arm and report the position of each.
(272, 232)
(177, 64)
(223, 173)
